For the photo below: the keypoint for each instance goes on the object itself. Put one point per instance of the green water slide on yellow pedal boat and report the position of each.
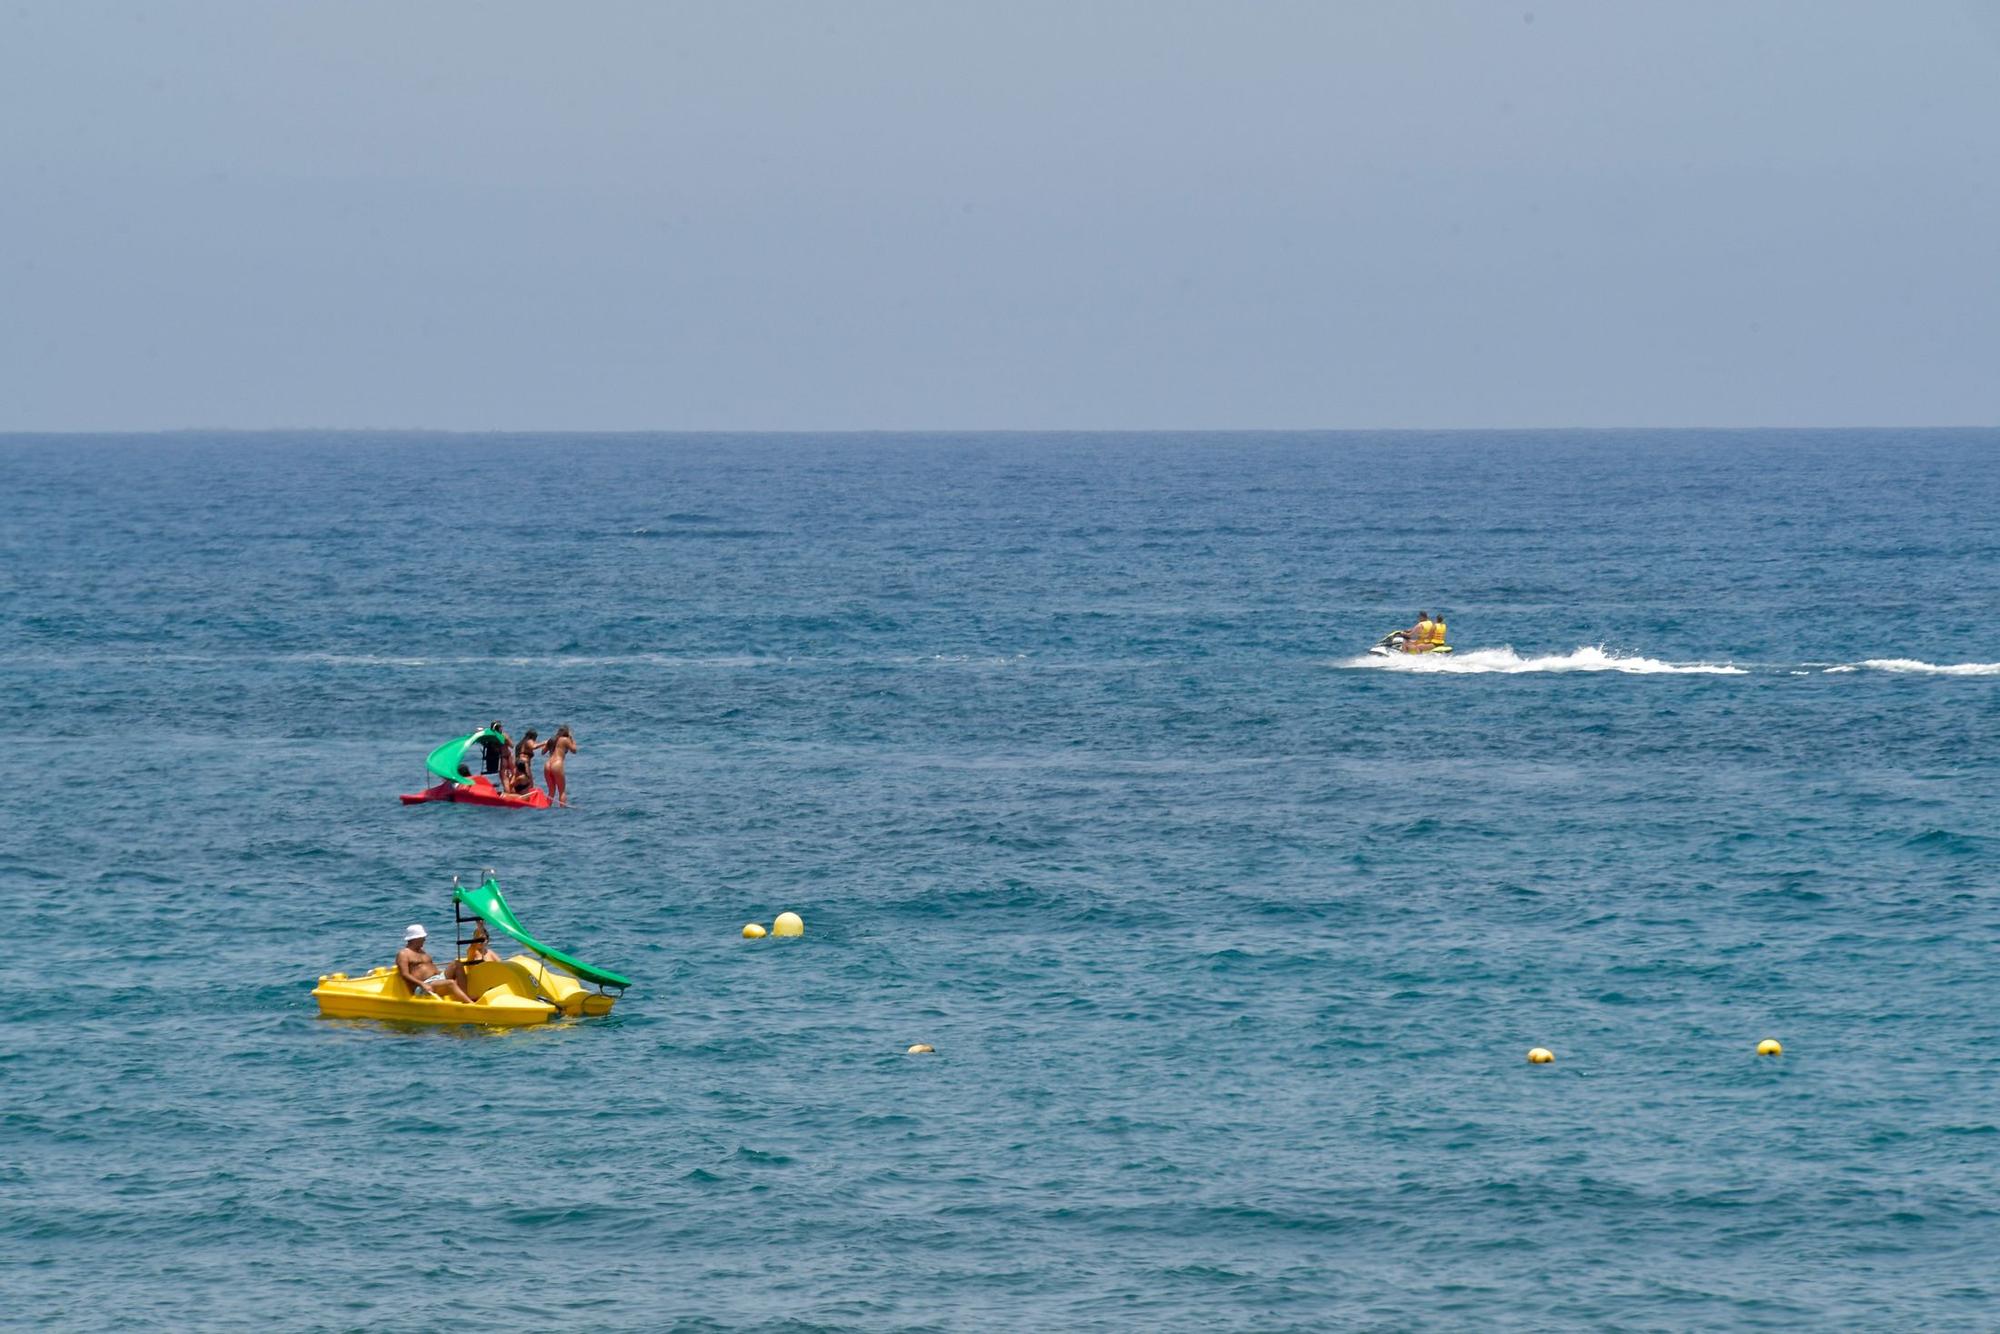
(488, 903)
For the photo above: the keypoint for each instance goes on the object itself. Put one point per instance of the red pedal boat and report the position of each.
(479, 792)
(447, 763)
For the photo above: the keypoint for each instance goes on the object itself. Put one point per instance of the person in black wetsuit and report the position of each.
(497, 751)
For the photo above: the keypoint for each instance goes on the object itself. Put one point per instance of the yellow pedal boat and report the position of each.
(520, 990)
(526, 989)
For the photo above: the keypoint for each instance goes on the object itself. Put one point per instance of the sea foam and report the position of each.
(1927, 668)
(1588, 658)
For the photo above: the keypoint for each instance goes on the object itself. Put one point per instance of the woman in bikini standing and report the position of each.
(524, 757)
(559, 745)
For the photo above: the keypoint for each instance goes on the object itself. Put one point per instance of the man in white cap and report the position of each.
(420, 973)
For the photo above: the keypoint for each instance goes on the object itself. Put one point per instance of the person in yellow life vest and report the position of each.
(1437, 631)
(1417, 639)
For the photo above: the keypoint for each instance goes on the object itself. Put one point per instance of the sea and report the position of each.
(1230, 939)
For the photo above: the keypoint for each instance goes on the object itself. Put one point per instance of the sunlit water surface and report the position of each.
(1230, 939)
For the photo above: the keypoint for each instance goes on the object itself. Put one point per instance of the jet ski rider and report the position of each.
(1425, 636)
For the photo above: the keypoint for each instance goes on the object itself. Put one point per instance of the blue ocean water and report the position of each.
(1230, 939)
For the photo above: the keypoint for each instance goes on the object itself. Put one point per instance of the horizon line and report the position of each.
(15, 432)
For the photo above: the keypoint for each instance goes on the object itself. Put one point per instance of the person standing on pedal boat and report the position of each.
(560, 744)
(524, 755)
(493, 752)
(500, 752)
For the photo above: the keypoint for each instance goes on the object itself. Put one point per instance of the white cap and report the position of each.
(414, 931)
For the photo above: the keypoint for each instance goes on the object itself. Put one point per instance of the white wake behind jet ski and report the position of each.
(1391, 646)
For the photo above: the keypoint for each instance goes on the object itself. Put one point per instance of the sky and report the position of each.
(932, 215)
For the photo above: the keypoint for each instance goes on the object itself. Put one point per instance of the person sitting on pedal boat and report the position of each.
(479, 951)
(420, 972)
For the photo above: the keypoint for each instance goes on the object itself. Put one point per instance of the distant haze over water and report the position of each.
(1042, 215)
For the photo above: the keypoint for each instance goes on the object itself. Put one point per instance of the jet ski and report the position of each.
(1391, 646)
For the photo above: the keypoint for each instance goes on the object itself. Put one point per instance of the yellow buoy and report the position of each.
(752, 931)
(1770, 1047)
(788, 924)
(1541, 1056)
(921, 1049)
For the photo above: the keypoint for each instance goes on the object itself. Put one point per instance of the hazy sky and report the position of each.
(1075, 214)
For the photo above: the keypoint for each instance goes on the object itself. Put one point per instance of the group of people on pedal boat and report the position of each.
(510, 764)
